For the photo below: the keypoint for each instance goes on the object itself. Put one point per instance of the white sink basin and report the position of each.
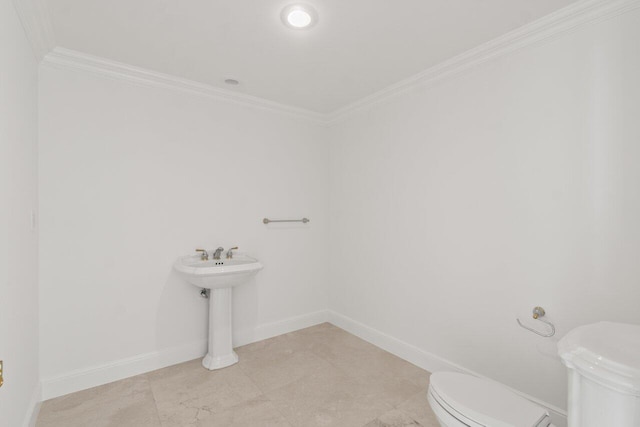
(217, 273)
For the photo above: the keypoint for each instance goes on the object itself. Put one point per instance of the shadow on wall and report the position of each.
(246, 311)
(182, 320)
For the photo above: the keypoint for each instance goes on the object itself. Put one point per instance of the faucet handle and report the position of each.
(230, 253)
(205, 255)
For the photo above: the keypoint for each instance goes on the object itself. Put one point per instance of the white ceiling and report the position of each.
(357, 48)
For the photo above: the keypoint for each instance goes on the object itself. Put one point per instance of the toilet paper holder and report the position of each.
(538, 314)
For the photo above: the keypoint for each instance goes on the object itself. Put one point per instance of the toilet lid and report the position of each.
(486, 402)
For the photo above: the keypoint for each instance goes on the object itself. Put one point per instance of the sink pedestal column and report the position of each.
(220, 354)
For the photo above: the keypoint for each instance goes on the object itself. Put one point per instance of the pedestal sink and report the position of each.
(220, 276)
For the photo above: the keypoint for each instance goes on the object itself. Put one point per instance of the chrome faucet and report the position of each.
(204, 256)
(230, 253)
(218, 253)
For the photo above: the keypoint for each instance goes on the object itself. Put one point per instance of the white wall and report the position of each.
(131, 177)
(454, 209)
(461, 206)
(18, 197)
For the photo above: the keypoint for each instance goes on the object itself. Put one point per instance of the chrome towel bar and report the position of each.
(303, 220)
(538, 314)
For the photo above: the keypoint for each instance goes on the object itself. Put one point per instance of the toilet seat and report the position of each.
(477, 402)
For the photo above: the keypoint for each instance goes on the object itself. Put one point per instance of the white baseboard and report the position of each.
(83, 379)
(424, 359)
(273, 329)
(34, 407)
(91, 377)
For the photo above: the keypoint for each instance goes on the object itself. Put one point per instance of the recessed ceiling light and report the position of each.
(299, 16)
(232, 82)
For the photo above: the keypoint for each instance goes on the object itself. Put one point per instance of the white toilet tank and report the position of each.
(604, 374)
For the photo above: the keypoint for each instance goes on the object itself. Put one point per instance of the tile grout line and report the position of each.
(269, 400)
(330, 345)
(343, 371)
(155, 401)
(265, 395)
(394, 407)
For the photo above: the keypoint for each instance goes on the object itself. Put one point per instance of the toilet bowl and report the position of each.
(603, 360)
(460, 400)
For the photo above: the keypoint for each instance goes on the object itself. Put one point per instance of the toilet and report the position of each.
(460, 400)
(603, 361)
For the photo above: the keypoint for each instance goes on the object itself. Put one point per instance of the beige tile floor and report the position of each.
(319, 376)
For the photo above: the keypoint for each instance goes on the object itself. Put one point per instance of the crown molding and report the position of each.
(562, 21)
(553, 25)
(73, 60)
(36, 22)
